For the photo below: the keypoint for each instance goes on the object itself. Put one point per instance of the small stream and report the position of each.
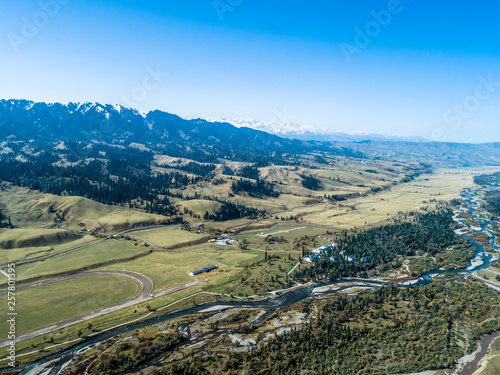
(480, 260)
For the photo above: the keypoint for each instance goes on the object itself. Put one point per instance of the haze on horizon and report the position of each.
(407, 68)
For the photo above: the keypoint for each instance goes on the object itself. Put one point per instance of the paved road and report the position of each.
(280, 231)
(143, 295)
(294, 267)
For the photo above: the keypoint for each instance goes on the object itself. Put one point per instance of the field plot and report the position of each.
(104, 251)
(22, 244)
(166, 269)
(47, 304)
(66, 334)
(169, 237)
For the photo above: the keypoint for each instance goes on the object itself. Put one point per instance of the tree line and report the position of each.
(377, 249)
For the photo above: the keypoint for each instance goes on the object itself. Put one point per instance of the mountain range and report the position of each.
(311, 133)
(209, 140)
(161, 132)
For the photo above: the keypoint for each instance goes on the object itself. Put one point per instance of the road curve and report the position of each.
(146, 284)
(143, 295)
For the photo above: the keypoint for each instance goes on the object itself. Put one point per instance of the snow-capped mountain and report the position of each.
(79, 126)
(308, 132)
(167, 133)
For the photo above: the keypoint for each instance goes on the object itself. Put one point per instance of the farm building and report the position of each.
(203, 269)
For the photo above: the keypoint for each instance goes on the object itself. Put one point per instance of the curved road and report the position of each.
(147, 284)
(141, 296)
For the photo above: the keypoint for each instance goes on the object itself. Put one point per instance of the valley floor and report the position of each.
(253, 269)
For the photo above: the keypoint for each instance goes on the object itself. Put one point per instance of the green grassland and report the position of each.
(495, 347)
(167, 269)
(363, 208)
(44, 305)
(238, 225)
(333, 180)
(199, 206)
(233, 265)
(491, 273)
(30, 208)
(284, 235)
(255, 276)
(490, 365)
(175, 301)
(22, 253)
(96, 253)
(168, 237)
(241, 272)
(18, 238)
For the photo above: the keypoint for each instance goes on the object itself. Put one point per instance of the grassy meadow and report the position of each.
(103, 251)
(29, 208)
(422, 193)
(48, 304)
(23, 244)
(167, 269)
(168, 237)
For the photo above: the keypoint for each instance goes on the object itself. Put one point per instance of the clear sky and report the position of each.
(419, 68)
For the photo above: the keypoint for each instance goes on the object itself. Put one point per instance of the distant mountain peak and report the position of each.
(310, 133)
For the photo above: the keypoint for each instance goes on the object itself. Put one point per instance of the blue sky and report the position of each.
(411, 68)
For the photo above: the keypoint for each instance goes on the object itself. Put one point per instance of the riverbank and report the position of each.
(471, 367)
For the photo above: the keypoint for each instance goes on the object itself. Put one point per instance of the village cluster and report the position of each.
(322, 251)
(222, 241)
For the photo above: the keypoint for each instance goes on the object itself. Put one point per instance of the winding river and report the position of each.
(480, 260)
